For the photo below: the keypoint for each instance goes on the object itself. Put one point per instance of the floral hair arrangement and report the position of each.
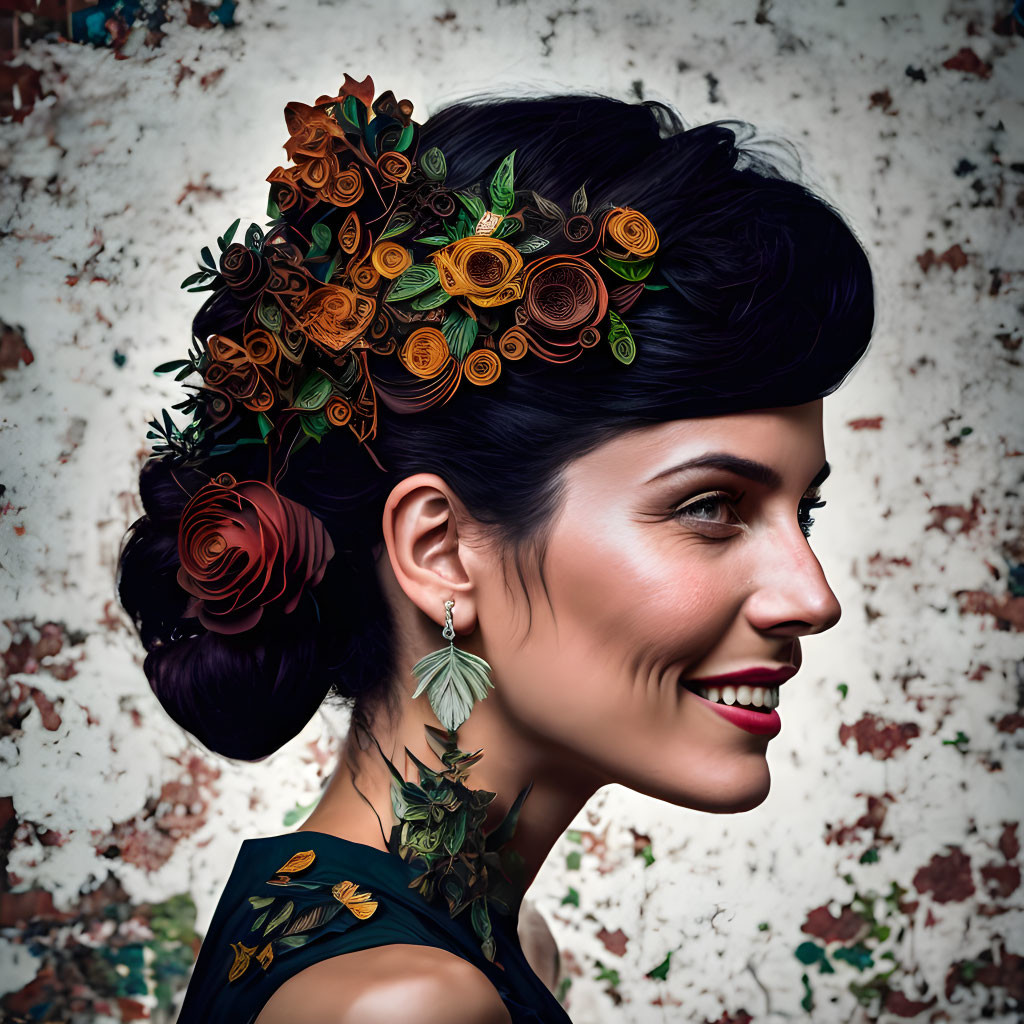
(370, 253)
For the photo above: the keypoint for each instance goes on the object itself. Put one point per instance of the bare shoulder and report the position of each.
(393, 984)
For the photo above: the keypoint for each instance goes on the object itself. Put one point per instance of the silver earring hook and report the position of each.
(449, 629)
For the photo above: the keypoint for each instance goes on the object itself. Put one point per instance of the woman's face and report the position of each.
(656, 576)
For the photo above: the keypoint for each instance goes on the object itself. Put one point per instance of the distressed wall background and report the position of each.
(881, 878)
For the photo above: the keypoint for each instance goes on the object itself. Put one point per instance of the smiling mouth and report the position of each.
(753, 698)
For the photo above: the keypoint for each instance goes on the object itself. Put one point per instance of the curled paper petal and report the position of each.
(628, 233)
(244, 548)
(441, 203)
(578, 228)
(394, 166)
(425, 352)
(284, 188)
(245, 272)
(350, 233)
(390, 259)
(334, 316)
(563, 293)
(479, 267)
(514, 343)
(482, 366)
(338, 411)
(344, 187)
(365, 277)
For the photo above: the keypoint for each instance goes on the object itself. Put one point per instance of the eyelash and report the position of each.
(719, 498)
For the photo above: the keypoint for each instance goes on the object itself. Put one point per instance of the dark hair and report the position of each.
(770, 304)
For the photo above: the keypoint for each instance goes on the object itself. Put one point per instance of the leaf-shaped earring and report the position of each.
(454, 679)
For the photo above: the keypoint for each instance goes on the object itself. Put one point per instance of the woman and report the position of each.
(547, 373)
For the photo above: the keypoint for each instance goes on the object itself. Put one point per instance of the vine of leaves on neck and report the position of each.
(440, 824)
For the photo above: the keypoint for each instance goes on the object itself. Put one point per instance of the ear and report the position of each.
(427, 553)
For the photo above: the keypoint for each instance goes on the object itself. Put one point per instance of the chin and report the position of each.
(731, 793)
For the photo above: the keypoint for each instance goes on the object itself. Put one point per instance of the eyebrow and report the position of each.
(756, 471)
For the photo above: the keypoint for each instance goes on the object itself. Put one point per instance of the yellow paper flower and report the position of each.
(486, 270)
(628, 234)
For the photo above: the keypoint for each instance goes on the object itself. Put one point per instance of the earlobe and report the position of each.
(424, 545)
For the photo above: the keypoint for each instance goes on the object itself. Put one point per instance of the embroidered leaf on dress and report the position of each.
(299, 921)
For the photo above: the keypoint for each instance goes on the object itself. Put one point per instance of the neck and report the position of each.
(360, 788)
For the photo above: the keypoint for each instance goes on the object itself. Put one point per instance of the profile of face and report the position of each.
(654, 576)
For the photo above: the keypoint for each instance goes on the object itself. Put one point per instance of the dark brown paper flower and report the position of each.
(563, 293)
(245, 548)
(244, 271)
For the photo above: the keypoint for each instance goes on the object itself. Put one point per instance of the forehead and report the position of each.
(789, 440)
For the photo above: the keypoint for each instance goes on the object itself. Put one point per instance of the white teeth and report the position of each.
(752, 696)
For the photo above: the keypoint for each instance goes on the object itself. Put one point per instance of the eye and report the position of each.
(708, 508)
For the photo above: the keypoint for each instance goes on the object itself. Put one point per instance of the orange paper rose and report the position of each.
(245, 548)
(484, 269)
(628, 234)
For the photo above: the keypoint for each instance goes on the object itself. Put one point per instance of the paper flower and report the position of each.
(245, 548)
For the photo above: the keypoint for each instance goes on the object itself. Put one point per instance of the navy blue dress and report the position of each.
(296, 899)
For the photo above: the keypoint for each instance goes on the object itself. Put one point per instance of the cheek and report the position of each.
(629, 608)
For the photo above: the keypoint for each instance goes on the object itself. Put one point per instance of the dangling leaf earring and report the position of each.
(454, 679)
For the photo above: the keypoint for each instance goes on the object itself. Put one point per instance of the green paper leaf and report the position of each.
(291, 941)
(174, 364)
(502, 192)
(315, 425)
(579, 200)
(259, 902)
(399, 223)
(629, 270)
(531, 243)
(418, 278)
(269, 314)
(208, 259)
(433, 164)
(201, 275)
(430, 300)
(225, 241)
(433, 240)
(254, 238)
(460, 330)
(656, 287)
(454, 680)
(273, 210)
(474, 204)
(481, 918)
(648, 855)
(572, 897)
(505, 829)
(259, 921)
(509, 226)
(457, 835)
(573, 859)
(405, 138)
(660, 973)
(321, 235)
(313, 394)
(621, 340)
(264, 423)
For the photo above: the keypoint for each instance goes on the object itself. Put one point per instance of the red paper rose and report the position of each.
(243, 548)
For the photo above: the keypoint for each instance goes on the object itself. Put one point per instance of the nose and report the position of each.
(791, 597)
